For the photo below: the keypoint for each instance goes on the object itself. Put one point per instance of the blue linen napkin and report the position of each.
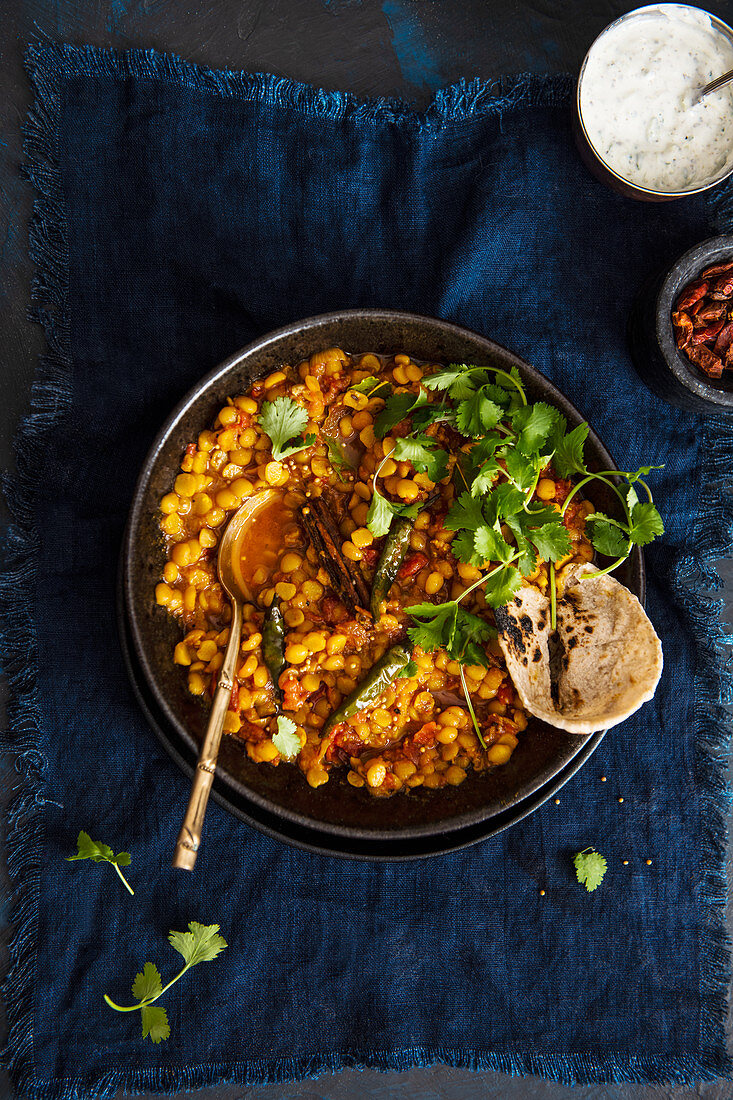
(179, 213)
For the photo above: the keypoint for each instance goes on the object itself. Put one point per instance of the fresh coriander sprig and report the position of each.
(101, 853)
(202, 943)
(284, 420)
(499, 525)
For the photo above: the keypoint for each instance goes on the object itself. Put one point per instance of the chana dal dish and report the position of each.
(402, 504)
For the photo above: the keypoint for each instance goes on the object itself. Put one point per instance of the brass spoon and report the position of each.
(230, 576)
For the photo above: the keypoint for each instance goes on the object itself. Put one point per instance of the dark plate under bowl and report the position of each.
(342, 816)
(665, 369)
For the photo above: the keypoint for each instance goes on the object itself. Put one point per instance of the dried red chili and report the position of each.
(702, 320)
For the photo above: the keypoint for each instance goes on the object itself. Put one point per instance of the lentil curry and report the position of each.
(328, 675)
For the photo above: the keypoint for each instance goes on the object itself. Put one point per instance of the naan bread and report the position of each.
(603, 662)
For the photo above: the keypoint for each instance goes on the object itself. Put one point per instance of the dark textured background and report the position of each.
(407, 48)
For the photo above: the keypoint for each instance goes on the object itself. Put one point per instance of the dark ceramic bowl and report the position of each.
(345, 819)
(667, 371)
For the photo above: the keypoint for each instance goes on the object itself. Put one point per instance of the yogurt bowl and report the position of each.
(636, 123)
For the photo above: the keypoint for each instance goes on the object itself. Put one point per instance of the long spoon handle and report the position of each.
(189, 838)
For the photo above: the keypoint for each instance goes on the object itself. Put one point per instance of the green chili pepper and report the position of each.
(377, 680)
(273, 642)
(390, 560)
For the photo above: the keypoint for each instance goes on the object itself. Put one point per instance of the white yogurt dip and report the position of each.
(635, 99)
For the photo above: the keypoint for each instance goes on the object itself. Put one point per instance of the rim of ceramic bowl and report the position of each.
(302, 329)
(683, 271)
(627, 184)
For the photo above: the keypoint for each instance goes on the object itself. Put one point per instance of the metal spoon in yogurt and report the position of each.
(713, 86)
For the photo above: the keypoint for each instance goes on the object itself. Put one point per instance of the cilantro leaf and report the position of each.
(646, 524)
(147, 985)
(463, 547)
(568, 458)
(437, 626)
(465, 512)
(286, 740)
(491, 545)
(410, 669)
(533, 424)
(485, 478)
(154, 1021)
(477, 414)
(379, 516)
(552, 540)
(447, 377)
(337, 454)
(520, 468)
(448, 626)
(420, 451)
(370, 385)
(606, 535)
(527, 560)
(393, 413)
(502, 502)
(201, 943)
(641, 472)
(590, 867)
(101, 853)
(502, 585)
(283, 420)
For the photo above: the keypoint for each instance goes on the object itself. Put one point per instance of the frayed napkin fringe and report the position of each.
(693, 577)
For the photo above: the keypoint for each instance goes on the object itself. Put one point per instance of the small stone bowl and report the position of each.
(666, 370)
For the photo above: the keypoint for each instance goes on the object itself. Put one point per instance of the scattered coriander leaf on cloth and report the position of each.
(284, 420)
(154, 1020)
(148, 984)
(286, 740)
(101, 853)
(590, 867)
(202, 943)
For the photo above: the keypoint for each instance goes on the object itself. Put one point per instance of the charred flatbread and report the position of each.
(600, 665)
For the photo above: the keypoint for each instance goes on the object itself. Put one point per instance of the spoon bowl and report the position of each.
(234, 583)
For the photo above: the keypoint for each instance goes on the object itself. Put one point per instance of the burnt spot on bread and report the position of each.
(512, 631)
(571, 643)
(588, 628)
(537, 655)
(556, 651)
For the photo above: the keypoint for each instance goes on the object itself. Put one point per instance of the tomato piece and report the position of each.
(412, 565)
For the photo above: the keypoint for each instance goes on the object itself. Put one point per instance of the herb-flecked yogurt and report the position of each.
(636, 96)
